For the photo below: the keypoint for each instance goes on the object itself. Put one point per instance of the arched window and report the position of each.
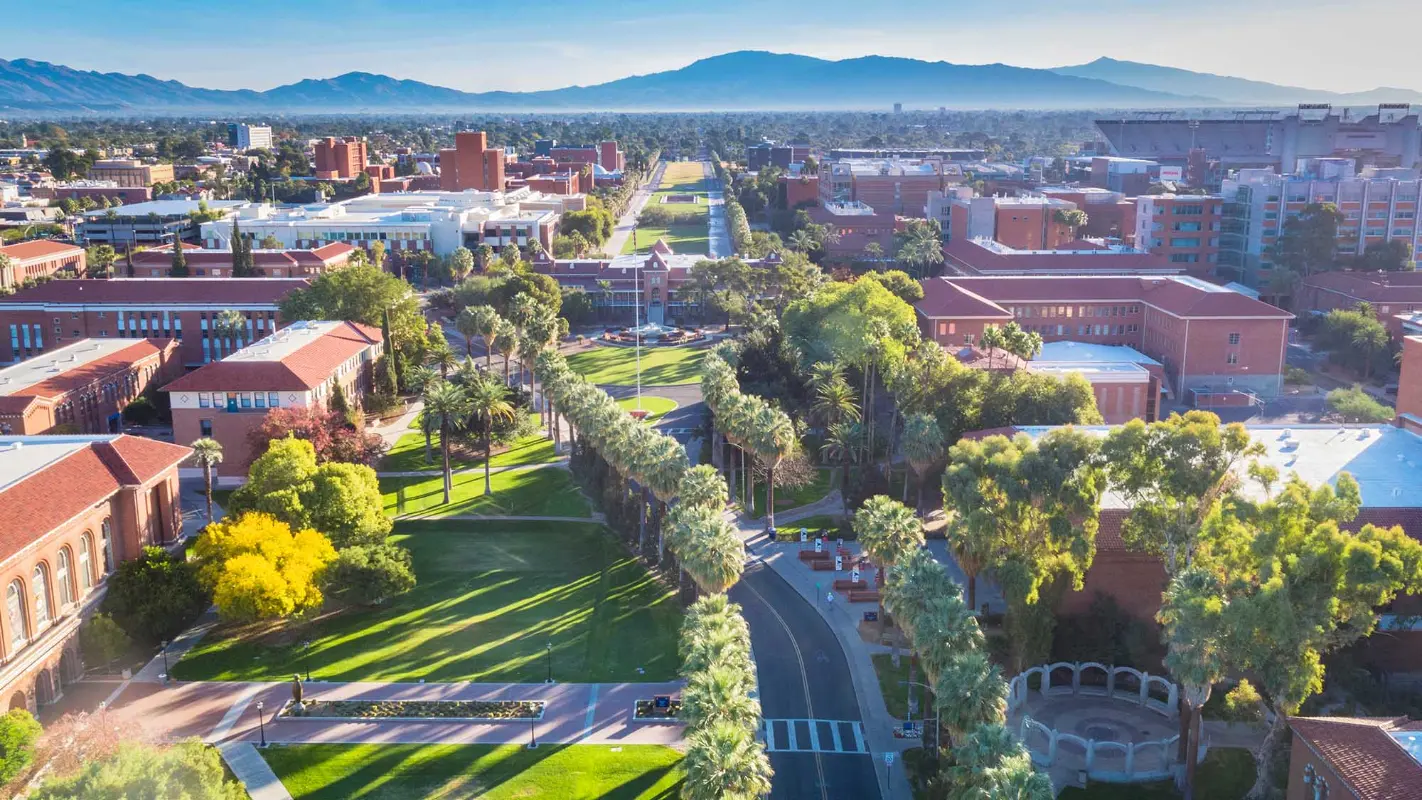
(62, 576)
(86, 562)
(15, 608)
(106, 541)
(39, 583)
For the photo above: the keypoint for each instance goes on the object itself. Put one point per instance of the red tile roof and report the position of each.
(1363, 754)
(52, 495)
(1182, 297)
(1397, 287)
(321, 256)
(305, 368)
(40, 248)
(945, 298)
(159, 291)
(85, 374)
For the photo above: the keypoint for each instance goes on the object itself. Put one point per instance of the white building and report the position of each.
(438, 222)
(249, 137)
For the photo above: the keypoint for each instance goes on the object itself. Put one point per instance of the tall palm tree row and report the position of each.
(970, 691)
(751, 424)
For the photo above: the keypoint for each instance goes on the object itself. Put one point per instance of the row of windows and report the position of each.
(1074, 311)
(28, 619)
(231, 400)
(1083, 330)
(28, 335)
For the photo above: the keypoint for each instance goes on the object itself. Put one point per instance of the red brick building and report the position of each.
(1021, 223)
(204, 263)
(228, 399)
(1409, 385)
(1208, 339)
(55, 314)
(471, 164)
(75, 506)
(858, 226)
(1081, 257)
(340, 158)
(83, 386)
(39, 259)
(1390, 293)
(798, 191)
(1183, 229)
(1365, 758)
(1109, 215)
(94, 190)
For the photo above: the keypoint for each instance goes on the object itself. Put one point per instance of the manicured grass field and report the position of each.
(815, 527)
(661, 366)
(683, 177)
(792, 498)
(489, 772)
(547, 492)
(490, 597)
(689, 239)
(895, 693)
(408, 454)
(656, 407)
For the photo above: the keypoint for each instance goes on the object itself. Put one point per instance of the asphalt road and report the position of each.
(803, 676)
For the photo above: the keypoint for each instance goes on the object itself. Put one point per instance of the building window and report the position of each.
(203, 400)
(63, 577)
(1234, 338)
(86, 558)
(205, 427)
(273, 400)
(39, 582)
(15, 607)
(106, 541)
(1232, 358)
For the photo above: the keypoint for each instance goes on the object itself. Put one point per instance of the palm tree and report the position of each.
(823, 373)
(702, 486)
(443, 358)
(488, 401)
(972, 548)
(844, 442)
(417, 379)
(835, 402)
(992, 340)
(230, 324)
(1369, 340)
(773, 440)
(505, 340)
(970, 693)
(922, 445)
(713, 553)
(604, 292)
(719, 694)
(802, 241)
(208, 453)
(724, 762)
(467, 323)
(447, 406)
(887, 530)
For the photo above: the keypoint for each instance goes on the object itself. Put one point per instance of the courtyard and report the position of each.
(617, 366)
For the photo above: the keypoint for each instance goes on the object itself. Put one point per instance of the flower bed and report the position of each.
(645, 711)
(417, 709)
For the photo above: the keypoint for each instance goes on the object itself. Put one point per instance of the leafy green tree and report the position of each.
(1307, 243)
(179, 268)
(369, 575)
(18, 733)
(103, 639)
(99, 261)
(833, 324)
(190, 770)
(340, 500)
(365, 294)
(270, 242)
(1356, 405)
(156, 596)
(1394, 255)
(898, 282)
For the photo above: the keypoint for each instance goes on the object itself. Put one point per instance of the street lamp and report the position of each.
(262, 723)
(550, 662)
(532, 736)
(164, 651)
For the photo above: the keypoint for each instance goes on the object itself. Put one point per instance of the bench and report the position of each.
(865, 596)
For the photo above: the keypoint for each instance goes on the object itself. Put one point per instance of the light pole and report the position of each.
(532, 736)
(164, 651)
(925, 717)
(550, 662)
(637, 315)
(262, 723)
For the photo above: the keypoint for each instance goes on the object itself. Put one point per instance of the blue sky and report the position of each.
(535, 44)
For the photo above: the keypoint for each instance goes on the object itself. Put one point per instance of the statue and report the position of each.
(297, 692)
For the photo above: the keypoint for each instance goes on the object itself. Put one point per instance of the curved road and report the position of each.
(805, 684)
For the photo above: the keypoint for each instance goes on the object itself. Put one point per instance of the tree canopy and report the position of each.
(342, 501)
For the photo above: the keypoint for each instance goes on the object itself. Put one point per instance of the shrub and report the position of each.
(1297, 376)
(189, 769)
(1108, 635)
(1355, 405)
(258, 568)
(155, 596)
(18, 733)
(1242, 704)
(368, 575)
(140, 411)
(103, 639)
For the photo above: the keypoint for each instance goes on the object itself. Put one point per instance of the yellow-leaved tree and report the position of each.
(258, 568)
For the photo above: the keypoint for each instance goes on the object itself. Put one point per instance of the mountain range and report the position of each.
(745, 80)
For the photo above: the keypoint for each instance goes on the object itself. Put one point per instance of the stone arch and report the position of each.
(17, 615)
(45, 690)
(19, 700)
(71, 666)
(1060, 677)
(1093, 677)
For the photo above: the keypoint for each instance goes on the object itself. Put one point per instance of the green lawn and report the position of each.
(408, 454)
(689, 239)
(1225, 774)
(661, 366)
(820, 524)
(793, 498)
(656, 407)
(895, 693)
(490, 597)
(547, 492)
(490, 772)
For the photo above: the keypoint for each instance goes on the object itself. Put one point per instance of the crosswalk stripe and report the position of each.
(834, 731)
(838, 742)
(858, 737)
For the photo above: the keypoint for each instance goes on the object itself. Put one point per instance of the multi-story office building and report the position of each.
(296, 367)
(857, 226)
(249, 137)
(438, 222)
(340, 158)
(1083, 257)
(1395, 297)
(770, 154)
(1184, 229)
(1379, 206)
(1210, 341)
(130, 172)
(1109, 215)
(82, 386)
(93, 190)
(203, 263)
(471, 164)
(38, 259)
(1022, 223)
(153, 223)
(890, 186)
(41, 319)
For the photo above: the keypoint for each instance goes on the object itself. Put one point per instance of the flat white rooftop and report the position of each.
(284, 342)
(1087, 352)
(21, 456)
(1386, 461)
(21, 376)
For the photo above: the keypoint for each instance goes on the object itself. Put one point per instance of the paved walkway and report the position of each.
(434, 472)
(597, 516)
(843, 618)
(391, 431)
(719, 243)
(252, 770)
